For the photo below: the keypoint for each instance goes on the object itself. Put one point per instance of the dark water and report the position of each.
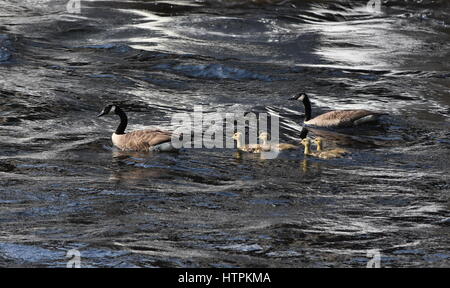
(63, 187)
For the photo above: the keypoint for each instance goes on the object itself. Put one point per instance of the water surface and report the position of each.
(63, 187)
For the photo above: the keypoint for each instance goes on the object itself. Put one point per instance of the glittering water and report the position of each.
(63, 187)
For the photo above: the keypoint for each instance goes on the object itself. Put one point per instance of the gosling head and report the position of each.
(299, 97)
(108, 109)
(236, 136)
(306, 142)
(264, 136)
(318, 141)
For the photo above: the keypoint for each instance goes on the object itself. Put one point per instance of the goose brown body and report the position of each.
(141, 140)
(341, 118)
(323, 155)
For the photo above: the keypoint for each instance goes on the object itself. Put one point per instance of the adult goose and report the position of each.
(336, 118)
(140, 140)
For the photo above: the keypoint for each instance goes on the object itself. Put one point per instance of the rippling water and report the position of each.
(63, 187)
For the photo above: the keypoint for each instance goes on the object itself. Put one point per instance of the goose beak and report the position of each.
(101, 114)
(293, 97)
(105, 111)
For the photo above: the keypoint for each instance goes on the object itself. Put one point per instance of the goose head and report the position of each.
(300, 97)
(123, 117)
(116, 109)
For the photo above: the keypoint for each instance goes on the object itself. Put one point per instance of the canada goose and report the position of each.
(319, 142)
(140, 140)
(264, 136)
(251, 148)
(336, 118)
(323, 155)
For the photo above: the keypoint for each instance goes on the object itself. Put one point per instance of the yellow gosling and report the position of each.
(319, 143)
(250, 148)
(266, 145)
(307, 143)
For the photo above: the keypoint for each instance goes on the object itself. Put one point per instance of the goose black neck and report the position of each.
(123, 121)
(307, 105)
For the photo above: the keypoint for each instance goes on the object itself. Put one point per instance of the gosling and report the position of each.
(250, 148)
(323, 155)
